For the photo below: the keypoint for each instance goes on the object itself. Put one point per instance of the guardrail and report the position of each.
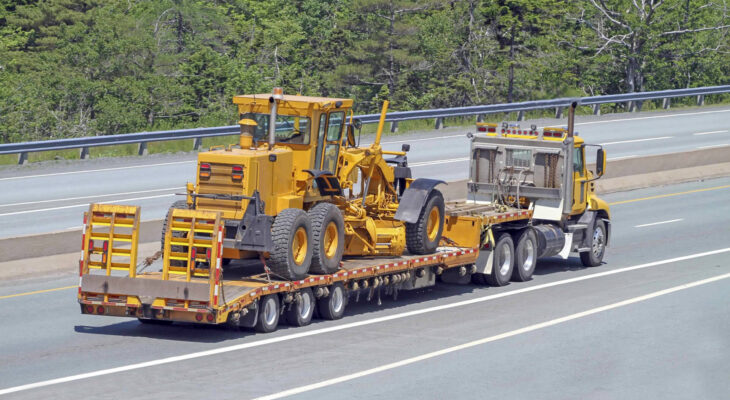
(634, 101)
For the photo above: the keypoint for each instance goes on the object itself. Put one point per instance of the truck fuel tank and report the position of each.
(550, 240)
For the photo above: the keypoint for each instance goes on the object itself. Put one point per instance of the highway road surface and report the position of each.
(652, 322)
(52, 196)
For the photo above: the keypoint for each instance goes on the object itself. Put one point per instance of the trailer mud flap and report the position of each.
(414, 198)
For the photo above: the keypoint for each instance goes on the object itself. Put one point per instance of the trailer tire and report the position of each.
(292, 237)
(300, 313)
(423, 237)
(504, 261)
(268, 317)
(525, 256)
(594, 256)
(328, 238)
(479, 278)
(180, 204)
(332, 306)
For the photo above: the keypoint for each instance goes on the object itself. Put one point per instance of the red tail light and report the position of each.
(481, 128)
(198, 317)
(207, 254)
(100, 310)
(210, 317)
(193, 254)
(492, 129)
(204, 170)
(89, 309)
(237, 173)
(105, 249)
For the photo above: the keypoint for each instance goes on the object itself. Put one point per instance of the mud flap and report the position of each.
(327, 183)
(254, 230)
(414, 198)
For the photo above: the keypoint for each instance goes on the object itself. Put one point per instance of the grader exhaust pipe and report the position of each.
(273, 101)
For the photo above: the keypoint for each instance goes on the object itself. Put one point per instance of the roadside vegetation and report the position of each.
(103, 67)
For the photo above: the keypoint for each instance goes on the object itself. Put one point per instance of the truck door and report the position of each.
(579, 179)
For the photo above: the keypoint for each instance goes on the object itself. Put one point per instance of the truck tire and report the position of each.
(332, 306)
(292, 237)
(479, 278)
(504, 261)
(328, 238)
(268, 318)
(594, 256)
(525, 256)
(423, 237)
(300, 312)
(180, 204)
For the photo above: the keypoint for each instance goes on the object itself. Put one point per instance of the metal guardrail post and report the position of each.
(558, 112)
(84, 153)
(197, 143)
(701, 100)
(23, 158)
(480, 118)
(142, 149)
(596, 109)
(521, 116)
(394, 127)
(439, 123)
(666, 103)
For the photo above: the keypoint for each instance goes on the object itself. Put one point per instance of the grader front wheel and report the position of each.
(423, 237)
(292, 237)
(328, 238)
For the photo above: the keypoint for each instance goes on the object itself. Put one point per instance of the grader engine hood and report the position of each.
(239, 172)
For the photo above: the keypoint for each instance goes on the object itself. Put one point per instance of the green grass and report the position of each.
(186, 145)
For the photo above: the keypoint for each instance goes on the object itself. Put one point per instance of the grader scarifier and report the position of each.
(298, 193)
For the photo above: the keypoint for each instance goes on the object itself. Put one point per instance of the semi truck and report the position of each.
(355, 224)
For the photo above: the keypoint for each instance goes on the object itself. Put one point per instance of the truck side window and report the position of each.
(578, 160)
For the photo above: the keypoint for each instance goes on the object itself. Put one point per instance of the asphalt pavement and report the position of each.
(651, 322)
(48, 197)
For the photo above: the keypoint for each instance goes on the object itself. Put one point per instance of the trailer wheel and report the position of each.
(424, 236)
(333, 305)
(328, 238)
(268, 317)
(504, 256)
(525, 256)
(594, 256)
(300, 313)
(292, 237)
(479, 278)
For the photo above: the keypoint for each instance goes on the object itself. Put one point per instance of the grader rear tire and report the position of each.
(424, 236)
(180, 204)
(328, 238)
(292, 237)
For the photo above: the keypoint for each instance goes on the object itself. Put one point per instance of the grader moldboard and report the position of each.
(299, 196)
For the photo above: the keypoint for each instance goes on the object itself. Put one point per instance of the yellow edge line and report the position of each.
(38, 291)
(669, 195)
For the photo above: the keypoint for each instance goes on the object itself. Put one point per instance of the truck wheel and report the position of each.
(333, 305)
(594, 256)
(525, 256)
(328, 238)
(268, 317)
(504, 256)
(479, 278)
(300, 313)
(178, 204)
(424, 236)
(292, 237)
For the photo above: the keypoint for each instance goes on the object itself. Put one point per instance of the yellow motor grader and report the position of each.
(299, 193)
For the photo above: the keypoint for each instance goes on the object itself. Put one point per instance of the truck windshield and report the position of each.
(289, 129)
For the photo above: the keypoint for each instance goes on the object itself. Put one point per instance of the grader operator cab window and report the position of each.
(330, 135)
(289, 129)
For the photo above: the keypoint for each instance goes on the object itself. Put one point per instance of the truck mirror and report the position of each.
(600, 162)
(351, 136)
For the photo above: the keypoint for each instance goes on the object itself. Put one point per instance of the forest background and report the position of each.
(101, 67)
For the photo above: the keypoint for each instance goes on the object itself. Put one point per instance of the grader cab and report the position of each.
(297, 192)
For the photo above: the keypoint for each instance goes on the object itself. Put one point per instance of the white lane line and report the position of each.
(622, 158)
(425, 163)
(636, 140)
(91, 197)
(651, 117)
(714, 145)
(708, 133)
(479, 342)
(659, 223)
(85, 205)
(98, 170)
(350, 325)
